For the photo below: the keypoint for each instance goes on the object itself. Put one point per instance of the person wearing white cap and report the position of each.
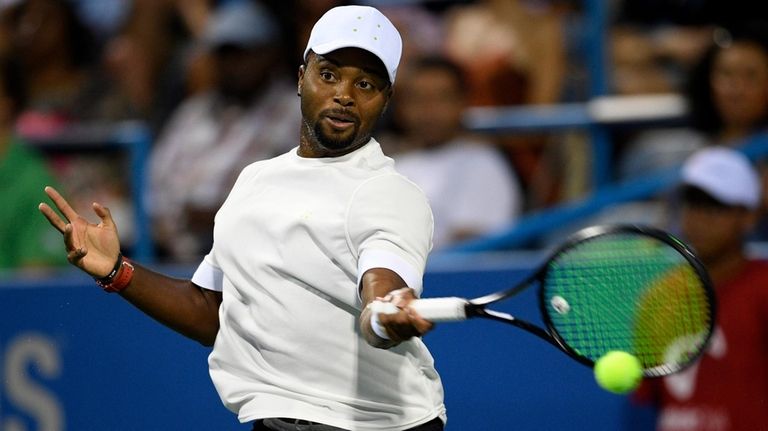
(250, 114)
(303, 243)
(728, 388)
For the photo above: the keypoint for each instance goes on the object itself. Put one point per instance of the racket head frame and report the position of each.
(592, 232)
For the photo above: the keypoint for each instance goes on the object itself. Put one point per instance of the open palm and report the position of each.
(91, 247)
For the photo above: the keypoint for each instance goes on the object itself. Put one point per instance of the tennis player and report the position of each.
(302, 244)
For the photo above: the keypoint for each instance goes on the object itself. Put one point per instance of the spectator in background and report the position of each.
(655, 42)
(251, 114)
(297, 18)
(727, 389)
(728, 88)
(423, 31)
(469, 184)
(514, 52)
(727, 93)
(57, 54)
(643, 62)
(6, 27)
(26, 243)
(150, 61)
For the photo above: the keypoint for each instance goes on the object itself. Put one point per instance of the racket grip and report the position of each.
(449, 309)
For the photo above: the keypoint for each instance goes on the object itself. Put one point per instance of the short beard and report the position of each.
(317, 135)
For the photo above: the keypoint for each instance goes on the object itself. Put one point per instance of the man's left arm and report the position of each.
(390, 228)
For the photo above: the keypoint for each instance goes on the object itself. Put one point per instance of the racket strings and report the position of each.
(632, 293)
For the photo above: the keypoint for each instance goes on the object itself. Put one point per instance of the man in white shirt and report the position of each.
(470, 186)
(250, 114)
(302, 245)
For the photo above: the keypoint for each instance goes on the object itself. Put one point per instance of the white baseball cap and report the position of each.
(725, 174)
(361, 27)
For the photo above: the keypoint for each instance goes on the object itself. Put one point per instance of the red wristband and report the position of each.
(119, 279)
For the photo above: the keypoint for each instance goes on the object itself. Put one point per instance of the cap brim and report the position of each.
(325, 48)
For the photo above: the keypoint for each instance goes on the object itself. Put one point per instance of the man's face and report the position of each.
(715, 231)
(739, 83)
(430, 105)
(240, 72)
(343, 94)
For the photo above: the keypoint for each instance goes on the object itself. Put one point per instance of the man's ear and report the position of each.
(389, 93)
(302, 69)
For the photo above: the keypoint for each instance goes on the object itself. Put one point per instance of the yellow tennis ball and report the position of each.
(618, 372)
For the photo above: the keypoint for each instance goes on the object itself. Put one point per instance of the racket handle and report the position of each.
(449, 309)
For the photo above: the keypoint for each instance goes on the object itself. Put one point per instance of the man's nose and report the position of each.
(344, 95)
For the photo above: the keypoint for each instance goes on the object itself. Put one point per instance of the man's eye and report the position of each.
(365, 85)
(328, 76)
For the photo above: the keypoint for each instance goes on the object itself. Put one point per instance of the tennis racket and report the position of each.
(618, 287)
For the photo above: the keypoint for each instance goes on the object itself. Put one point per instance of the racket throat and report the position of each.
(478, 311)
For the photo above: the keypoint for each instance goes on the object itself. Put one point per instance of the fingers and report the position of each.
(76, 256)
(75, 252)
(71, 242)
(400, 297)
(104, 214)
(52, 216)
(405, 324)
(61, 203)
(421, 324)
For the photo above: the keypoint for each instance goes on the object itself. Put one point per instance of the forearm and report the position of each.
(179, 304)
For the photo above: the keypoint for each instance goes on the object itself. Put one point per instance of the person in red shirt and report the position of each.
(727, 389)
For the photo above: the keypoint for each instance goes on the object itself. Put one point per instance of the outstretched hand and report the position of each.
(91, 247)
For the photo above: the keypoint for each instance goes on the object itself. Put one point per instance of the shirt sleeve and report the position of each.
(208, 275)
(389, 225)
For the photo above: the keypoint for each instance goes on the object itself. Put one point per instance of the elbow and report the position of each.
(205, 335)
(207, 342)
(206, 328)
(208, 338)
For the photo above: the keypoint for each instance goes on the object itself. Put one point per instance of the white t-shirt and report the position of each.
(469, 185)
(290, 244)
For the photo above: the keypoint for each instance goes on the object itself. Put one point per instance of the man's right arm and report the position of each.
(95, 248)
(179, 304)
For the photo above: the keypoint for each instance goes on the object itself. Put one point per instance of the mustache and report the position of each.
(341, 114)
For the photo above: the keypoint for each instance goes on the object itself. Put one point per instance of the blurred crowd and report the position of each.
(215, 83)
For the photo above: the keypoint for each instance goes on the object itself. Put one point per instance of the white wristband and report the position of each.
(377, 327)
